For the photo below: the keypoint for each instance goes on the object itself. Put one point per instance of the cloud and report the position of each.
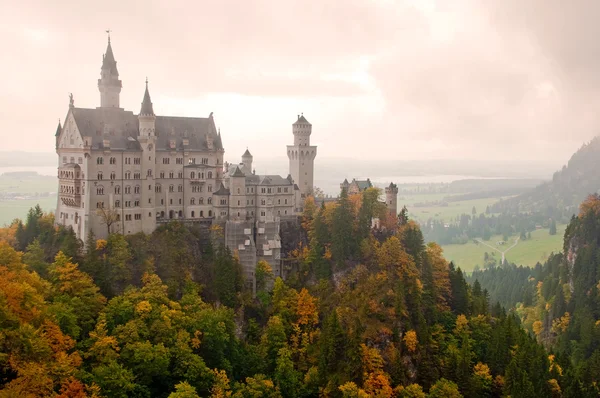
(378, 78)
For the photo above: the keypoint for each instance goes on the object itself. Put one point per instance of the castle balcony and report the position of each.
(196, 180)
(71, 200)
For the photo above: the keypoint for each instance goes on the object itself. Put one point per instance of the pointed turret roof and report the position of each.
(108, 60)
(58, 129)
(301, 119)
(247, 153)
(147, 103)
(237, 172)
(222, 190)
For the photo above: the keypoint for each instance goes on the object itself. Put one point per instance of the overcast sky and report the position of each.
(405, 79)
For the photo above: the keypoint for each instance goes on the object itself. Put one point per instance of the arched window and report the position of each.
(193, 174)
(171, 188)
(209, 201)
(210, 213)
(201, 213)
(201, 201)
(149, 172)
(117, 203)
(209, 175)
(117, 189)
(180, 214)
(192, 201)
(127, 189)
(100, 160)
(113, 175)
(158, 188)
(193, 214)
(238, 191)
(136, 189)
(100, 190)
(180, 188)
(99, 175)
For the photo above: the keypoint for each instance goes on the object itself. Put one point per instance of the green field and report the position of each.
(25, 185)
(528, 252)
(444, 213)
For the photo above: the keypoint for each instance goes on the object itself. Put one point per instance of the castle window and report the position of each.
(149, 187)
(180, 174)
(285, 211)
(127, 189)
(201, 201)
(192, 161)
(137, 176)
(268, 190)
(100, 205)
(99, 160)
(100, 190)
(171, 188)
(136, 203)
(162, 202)
(149, 201)
(201, 213)
(179, 200)
(117, 203)
(239, 203)
(99, 175)
(263, 202)
(209, 188)
(192, 201)
(209, 175)
(286, 201)
(113, 175)
(113, 160)
(117, 189)
(193, 174)
(137, 160)
(72, 160)
(285, 190)
(210, 213)
(166, 160)
(278, 201)
(179, 160)
(127, 217)
(193, 214)
(171, 175)
(263, 190)
(180, 188)
(149, 172)
(223, 201)
(158, 188)
(170, 201)
(180, 214)
(162, 174)
(262, 213)
(127, 175)
(279, 190)
(127, 160)
(209, 201)
(118, 217)
(136, 189)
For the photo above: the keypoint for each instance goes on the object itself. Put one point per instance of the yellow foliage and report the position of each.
(378, 385)
(554, 388)
(143, 307)
(351, 390)
(482, 371)
(554, 365)
(590, 205)
(220, 388)
(462, 324)
(306, 308)
(410, 340)
(101, 244)
(538, 327)
(561, 324)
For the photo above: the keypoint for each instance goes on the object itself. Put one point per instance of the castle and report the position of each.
(127, 173)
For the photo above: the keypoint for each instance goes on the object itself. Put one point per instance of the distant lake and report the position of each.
(41, 170)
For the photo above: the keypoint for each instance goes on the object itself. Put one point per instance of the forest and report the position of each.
(364, 313)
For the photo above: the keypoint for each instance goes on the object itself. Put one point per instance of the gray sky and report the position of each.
(379, 79)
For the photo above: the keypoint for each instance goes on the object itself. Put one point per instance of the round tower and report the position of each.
(147, 140)
(391, 198)
(109, 84)
(302, 156)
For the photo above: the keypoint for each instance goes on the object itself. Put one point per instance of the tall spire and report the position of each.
(109, 83)
(147, 103)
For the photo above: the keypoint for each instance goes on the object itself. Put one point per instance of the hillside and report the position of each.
(363, 313)
(560, 197)
(559, 301)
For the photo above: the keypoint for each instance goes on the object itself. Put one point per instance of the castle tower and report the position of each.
(109, 83)
(391, 198)
(147, 140)
(247, 162)
(302, 156)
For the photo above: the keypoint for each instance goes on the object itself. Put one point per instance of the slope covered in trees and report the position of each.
(560, 198)
(559, 301)
(367, 313)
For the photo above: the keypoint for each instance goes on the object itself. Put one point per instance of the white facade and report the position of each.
(140, 170)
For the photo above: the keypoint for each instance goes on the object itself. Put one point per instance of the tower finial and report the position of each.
(108, 33)
(146, 81)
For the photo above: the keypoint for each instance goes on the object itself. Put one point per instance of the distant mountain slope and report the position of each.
(569, 187)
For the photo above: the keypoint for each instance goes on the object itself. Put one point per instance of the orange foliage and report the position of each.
(306, 309)
(7, 234)
(411, 341)
(590, 205)
(391, 256)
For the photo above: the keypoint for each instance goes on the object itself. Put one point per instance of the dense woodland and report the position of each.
(559, 301)
(365, 313)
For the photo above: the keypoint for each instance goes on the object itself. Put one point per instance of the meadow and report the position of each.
(527, 252)
(27, 188)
